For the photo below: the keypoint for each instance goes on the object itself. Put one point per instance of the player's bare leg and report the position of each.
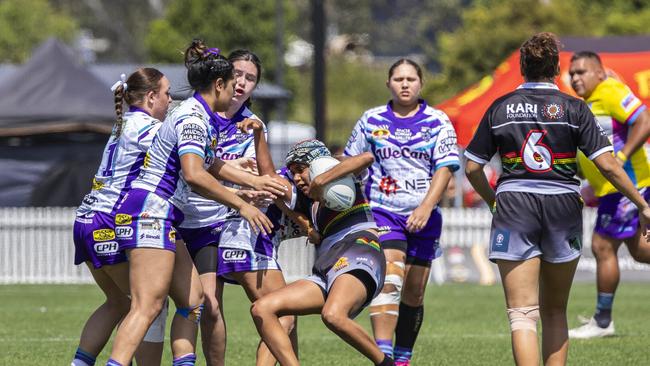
(257, 284)
(213, 325)
(302, 297)
(150, 272)
(187, 293)
(345, 297)
(555, 285)
(520, 281)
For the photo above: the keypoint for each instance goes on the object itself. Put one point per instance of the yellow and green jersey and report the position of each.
(616, 108)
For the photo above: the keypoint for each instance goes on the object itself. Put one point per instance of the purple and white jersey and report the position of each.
(407, 152)
(233, 144)
(191, 128)
(121, 162)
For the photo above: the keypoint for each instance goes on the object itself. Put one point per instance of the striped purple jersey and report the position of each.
(121, 162)
(191, 128)
(407, 152)
(233, 144)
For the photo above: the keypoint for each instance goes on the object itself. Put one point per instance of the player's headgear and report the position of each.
(306, 151)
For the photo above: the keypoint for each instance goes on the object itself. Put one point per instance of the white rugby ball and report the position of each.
(338, 195)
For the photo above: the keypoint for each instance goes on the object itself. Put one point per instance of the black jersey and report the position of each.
(537, 131)
(334, 225)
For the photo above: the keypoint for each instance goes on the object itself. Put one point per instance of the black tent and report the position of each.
(55, 117)
(53, 93)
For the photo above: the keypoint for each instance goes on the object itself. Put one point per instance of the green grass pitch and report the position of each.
(463, 325)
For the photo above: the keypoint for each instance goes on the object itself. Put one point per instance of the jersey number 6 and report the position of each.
(536, 156)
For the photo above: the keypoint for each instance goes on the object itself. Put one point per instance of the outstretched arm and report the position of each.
(223, 171)
(206, 185)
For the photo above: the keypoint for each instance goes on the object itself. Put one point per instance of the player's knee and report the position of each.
(333, 318)
(156, 331)
(387, 302)
(602, 249)
(413, 298)
(524, 318)
(211, 309)
(260, 308)
(288, 323)
(149, 308)
(118, 305)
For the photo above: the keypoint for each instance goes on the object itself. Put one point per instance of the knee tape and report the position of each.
(156, 331)
(524, 318)
(387, 302)
(192, 314)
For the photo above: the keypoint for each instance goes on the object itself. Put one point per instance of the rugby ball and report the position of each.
(338, 195)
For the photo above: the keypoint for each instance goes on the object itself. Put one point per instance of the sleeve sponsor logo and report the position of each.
(103, 234)
(448, 142)
(193, 132)
(123, 219)
(106, 248)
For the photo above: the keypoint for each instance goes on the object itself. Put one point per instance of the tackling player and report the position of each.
(221, 242)
(177, 162)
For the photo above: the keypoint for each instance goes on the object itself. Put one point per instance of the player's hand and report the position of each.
(247, 164)
(269, 184)
(258, 221)
(250, 124)
(259, 199)
(314, 237)
(418, 219)
(644, 221)
(315, 190)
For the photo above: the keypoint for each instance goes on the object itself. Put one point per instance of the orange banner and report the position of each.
(467, 108)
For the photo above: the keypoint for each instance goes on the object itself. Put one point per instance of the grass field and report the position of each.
(463, 325)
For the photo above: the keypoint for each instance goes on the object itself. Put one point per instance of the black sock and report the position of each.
(603, 317)
(408, 327)
(604, 305)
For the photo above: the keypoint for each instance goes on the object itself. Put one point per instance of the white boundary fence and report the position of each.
(36, 244)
